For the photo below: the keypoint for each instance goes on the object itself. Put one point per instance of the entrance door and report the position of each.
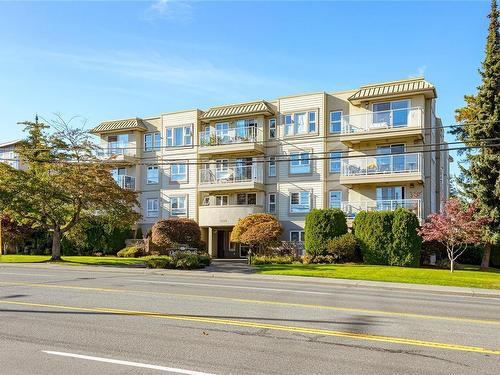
(221, 243)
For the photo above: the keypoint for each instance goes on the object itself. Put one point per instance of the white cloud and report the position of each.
(420, 71)
(169, 9)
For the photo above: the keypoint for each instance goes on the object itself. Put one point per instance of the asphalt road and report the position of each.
(88, 320)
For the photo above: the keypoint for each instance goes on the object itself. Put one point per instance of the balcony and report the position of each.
(214, 216)
(351, 209)
(230, 141)
(125, 182)
(117, 153)
(227, 178)
(382, 168)
(381, 125)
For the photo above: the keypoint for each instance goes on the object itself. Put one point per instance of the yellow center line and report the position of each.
(255, 301)
(274, 327)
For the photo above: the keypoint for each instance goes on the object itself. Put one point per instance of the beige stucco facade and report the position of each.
(219, 165)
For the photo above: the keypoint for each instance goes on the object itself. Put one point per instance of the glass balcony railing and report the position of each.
(116, 149)
(125, 182)
(218, 174)
(351, 209)
(396, 118)
(228, 136)
(381, 164)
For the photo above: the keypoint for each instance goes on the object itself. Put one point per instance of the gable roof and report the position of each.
(10, 143)
(394, 88)
(134, 123)
(235, 110)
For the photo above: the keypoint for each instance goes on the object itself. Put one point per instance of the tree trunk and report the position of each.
(485, 262)
(56, 244)
(452, 265)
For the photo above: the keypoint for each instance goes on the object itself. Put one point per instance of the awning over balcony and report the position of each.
(237, 110)
(134, 123)
(394, 88)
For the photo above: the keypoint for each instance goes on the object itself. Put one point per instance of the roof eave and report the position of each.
(428, 93)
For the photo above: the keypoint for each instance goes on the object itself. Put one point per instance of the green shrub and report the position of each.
(406, 243)
(373, 230)
(131, 252)
(343, 248)
(160, 262)
(138, 234)
(318, 259)
(432, 247)
(166, 233)
(321, 226)
(266, 259)
(181, 260)
(495, 256)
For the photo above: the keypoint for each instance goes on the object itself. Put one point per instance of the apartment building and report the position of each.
(8, 154)
(376, 147)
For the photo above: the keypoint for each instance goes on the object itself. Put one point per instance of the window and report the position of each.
(335, 159)
(118, 144)
(152, 205)
(335, 121)
(389, 193)
(299, 123)
(153, 175)
(288, 124)
(221, 200)
(178, 206)
(300, 202)
(272, 128)
(152, 141)
(391, 114)
(312, 122)
(271, 203)
(335, 199)
(178, 172)
(271, 171)
(297, 235)
(397, 162)
(246, 199)
(300, 162)
(179, 136)
(206, 201)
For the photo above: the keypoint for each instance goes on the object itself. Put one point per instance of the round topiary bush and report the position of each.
(167, 232)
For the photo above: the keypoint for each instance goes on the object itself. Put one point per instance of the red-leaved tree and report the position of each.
(456, 227)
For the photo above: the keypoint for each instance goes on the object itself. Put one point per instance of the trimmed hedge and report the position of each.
(185, 261)
(267, 259)
(321, 226)
(406, 243)
(131, 252)
(388, 237)
(343, 248)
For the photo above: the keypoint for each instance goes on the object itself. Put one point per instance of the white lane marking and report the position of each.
(26, 274)
(232, 286)
(127, 363)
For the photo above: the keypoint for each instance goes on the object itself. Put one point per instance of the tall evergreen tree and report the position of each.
(480, 121)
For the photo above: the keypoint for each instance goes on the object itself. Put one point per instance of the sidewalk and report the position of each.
(242, 271)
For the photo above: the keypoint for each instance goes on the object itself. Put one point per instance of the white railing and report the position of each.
(125, 182)
(114, 149)
(351, 209)
(228, 136)
(396, 118)
(217, 174)
(381, 164)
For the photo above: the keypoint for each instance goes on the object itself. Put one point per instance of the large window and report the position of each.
(179, 136)
(271, 203)
(152, 141)
(300, 162)
(153, 175)
(272, 128)
(246, 199)
(391, 114)
(178, 172)
(118, 144)
(390, 193)
(335, 161)
(178, 206)
(152, 207)
(221, 200)
(335, 121)
(271, 171)
(335, 199)
(300, 123)
(300, 202)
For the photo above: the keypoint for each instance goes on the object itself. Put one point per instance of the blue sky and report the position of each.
(105, 60)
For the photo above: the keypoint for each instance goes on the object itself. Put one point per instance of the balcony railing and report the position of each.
(125, 182)
(228, 136)
(393, 119)
(351, 209)
(381, 164)
(116, 149)
(232, 174)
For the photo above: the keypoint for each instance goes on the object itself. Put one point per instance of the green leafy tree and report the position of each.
(479, 121)
(62, 183)
(321, 226)
(406, 243)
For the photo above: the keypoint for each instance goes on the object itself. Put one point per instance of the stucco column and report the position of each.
(212, 250)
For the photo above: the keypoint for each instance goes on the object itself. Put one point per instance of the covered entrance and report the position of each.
(219, 244)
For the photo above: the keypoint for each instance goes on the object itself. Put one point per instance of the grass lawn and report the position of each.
(470, 277)
(72, 260)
